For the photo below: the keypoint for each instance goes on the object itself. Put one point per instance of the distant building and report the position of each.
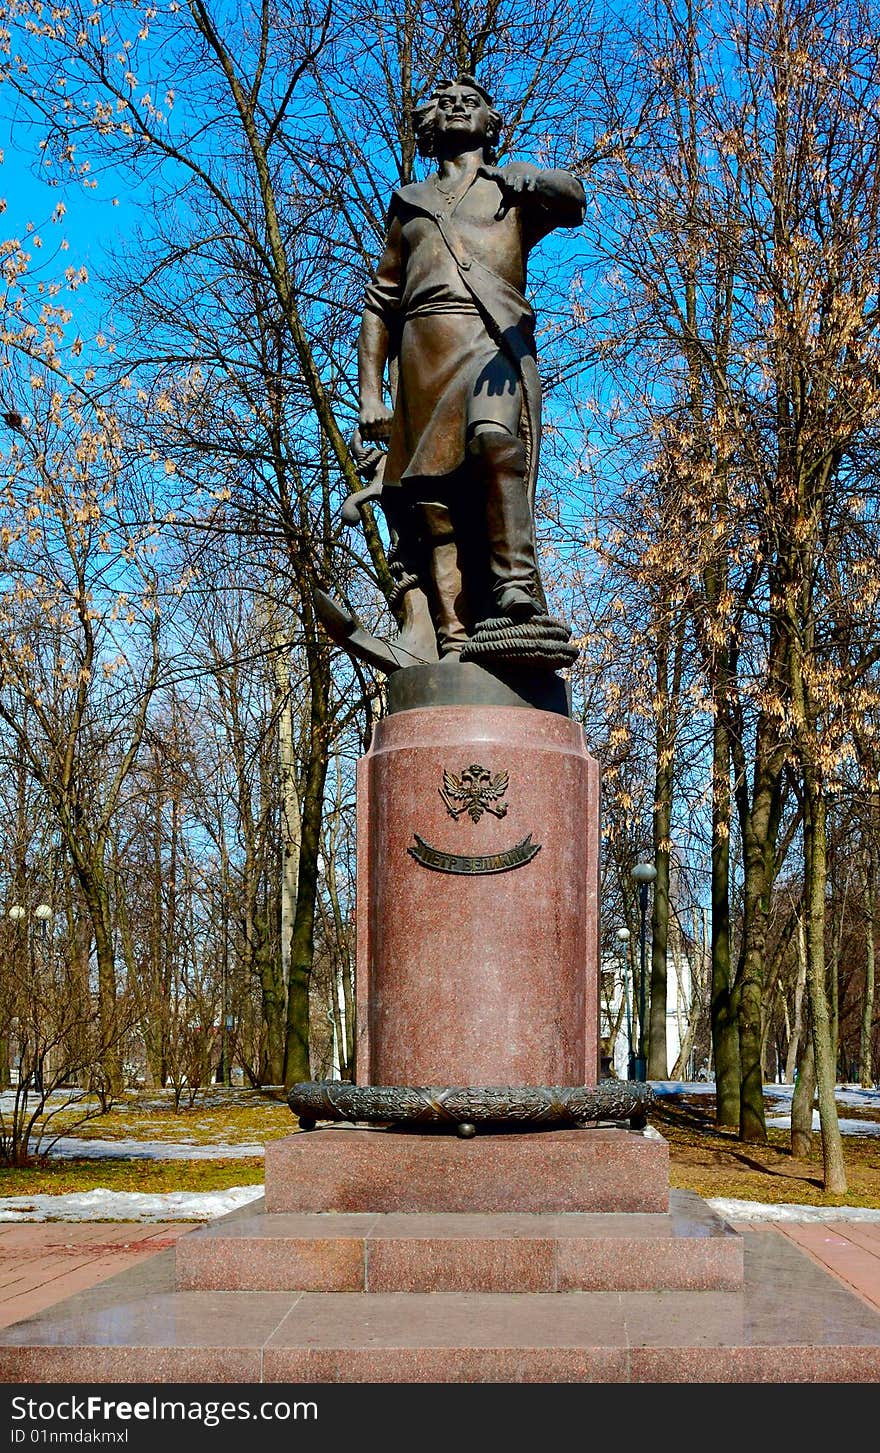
(679, 1007)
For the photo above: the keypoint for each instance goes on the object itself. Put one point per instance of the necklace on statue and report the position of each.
(449, 198)
(453, 195)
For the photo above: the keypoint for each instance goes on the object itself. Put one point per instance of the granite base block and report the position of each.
(790, 1322)
(343, 1169)
(381, 1311)
(688, 1249)
(144, 1333)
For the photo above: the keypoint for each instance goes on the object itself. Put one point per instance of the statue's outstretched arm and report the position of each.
(558, 194)
(563, 192)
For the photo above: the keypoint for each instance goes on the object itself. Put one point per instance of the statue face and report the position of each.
(461, 113)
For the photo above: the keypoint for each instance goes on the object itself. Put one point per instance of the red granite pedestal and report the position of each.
(466, 974)
(391, 1254)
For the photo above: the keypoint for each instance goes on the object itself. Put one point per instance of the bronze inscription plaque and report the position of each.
(443, 862)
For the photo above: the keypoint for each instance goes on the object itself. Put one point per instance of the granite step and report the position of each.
(340, 1168)
(790, 1322)
(690, 1248)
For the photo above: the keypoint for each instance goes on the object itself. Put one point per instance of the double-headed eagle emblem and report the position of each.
(475, 791)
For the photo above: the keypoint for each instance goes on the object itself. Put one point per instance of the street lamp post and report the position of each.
(622, 936)
(42, 913)
(643, 874)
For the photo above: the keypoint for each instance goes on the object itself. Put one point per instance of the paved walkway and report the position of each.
(850, 1250)
(42, 1263)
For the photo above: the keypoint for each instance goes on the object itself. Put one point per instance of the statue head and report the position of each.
(460, 110)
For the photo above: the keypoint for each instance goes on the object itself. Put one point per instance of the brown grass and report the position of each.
(715, 1162)
(703, 1159)
(217, 1114)
(153, 1177)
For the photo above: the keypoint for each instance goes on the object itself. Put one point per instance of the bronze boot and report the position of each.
(513, 565)
(446, 593)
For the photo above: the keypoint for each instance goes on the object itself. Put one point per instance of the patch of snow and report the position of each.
(787, 1211)
(104, 1205)
(843, 1094)
(847, 1127)
(217, 1097)
(79, 1099)
(68, 1147)
(855, 1095)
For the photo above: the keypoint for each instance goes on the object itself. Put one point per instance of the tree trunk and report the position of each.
(803, 1097)
(837, 900)
(725, 1031)
(108, 1020)
(815, 860)
(699, 962)
(658, 1068)
(800, 984)
(341, 980)
(664, 783)
(291, 838)
(296, 1043)
(273, 1002)
(866, 1067)
(749, 992)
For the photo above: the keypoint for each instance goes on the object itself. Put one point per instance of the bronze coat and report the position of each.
(450, 291)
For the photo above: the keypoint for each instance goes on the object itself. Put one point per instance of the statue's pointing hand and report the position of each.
(512, 185)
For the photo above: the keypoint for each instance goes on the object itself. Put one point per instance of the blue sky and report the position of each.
(94, 226)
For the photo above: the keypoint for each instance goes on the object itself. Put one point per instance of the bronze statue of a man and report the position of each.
(447, 309)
